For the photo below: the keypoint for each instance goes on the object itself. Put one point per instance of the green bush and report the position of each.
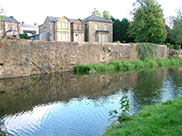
(24, 36)
(170, 46)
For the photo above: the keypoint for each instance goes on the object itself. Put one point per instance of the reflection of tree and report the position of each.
(177, 76)
(147, 87)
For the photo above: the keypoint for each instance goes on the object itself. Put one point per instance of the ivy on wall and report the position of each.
(147, 50)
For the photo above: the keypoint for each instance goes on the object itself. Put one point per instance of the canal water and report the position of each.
(72, 105)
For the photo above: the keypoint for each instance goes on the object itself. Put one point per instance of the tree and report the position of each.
(107, 15)
(176, 32)
(120, 30)
(148, 23)
(96, 13)
(2, 12)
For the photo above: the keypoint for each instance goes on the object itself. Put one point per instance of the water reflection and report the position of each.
(66, 104)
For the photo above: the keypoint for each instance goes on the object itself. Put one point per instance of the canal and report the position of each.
(73, 105)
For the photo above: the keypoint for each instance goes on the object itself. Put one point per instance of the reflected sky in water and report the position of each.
(70, 105)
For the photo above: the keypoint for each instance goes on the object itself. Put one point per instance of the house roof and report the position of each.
(95, 18)
(73, 20)
(53, 19)
(27, 25)
(9, 19)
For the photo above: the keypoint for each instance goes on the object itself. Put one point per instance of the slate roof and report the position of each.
(27, 25)
(95, 18)
(53, 19)
(9, 19)
(72, 20)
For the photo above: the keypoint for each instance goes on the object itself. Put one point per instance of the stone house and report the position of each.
(59, 29)
(77, 30)
(64, 29)
(9, 26)
(99, 29)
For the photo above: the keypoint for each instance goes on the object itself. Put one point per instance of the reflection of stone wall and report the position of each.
(23, 58)
(20, 94)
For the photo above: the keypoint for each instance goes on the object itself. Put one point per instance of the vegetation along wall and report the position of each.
(24, 58)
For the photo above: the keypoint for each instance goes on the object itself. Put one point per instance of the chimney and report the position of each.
(22, 22)
(35, 24)
(11, 17)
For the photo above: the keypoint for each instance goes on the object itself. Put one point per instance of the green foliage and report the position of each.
(2, 13)
(161, 119)
(176, 32)
(170, 46)
(147, 50)
(120, 30)
(128, 66)
(124, 107)
(148, 23)
(96, 13)
(106, 15)
(118, 42)
(24, 36)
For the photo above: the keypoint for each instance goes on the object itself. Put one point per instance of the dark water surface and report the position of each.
(70, 105)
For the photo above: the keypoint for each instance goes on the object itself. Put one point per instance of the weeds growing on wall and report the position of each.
(147, 50)
(128, 65)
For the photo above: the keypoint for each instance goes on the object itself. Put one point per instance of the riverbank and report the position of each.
(128, 65)
(160, 119)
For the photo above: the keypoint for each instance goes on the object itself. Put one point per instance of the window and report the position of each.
(105, 27)
(63, 25)
(80, 27)
(106, 38)
(103, 38)
(50, 25)
(66, 25)
(100, 38)
(6, 25)
(96, 27)
(80, 38)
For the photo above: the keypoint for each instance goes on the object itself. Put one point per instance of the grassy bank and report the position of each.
(157, 120)
(128, 65)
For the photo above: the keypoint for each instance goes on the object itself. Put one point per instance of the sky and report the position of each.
(35, 11)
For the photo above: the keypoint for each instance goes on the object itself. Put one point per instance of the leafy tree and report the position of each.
(120, 30)
(107, 15)
(24, 36)
(96, 13)
(2, 12)
(148, 23)
(176, 32)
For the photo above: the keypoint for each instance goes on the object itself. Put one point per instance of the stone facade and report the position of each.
(175, 53)
(24, 58)
(64, 29)
(99, 30)
(59, 29)
(9, 27)
(77, 30)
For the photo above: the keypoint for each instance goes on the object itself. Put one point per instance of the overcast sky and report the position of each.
(35, 11)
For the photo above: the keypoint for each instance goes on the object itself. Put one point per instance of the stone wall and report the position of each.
(175, 53)
(24, 58)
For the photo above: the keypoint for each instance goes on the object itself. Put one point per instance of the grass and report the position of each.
(125, 66)
(157, 120)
